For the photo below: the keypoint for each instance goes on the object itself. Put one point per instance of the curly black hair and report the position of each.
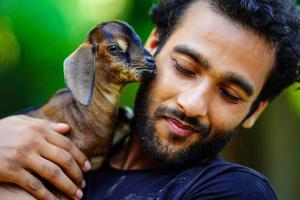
(276, 20)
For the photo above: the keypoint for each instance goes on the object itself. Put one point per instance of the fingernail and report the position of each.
(83, 184)
(60, 126)
(79, 193)
(87, 166)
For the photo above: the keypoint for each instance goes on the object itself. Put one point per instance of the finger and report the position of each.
(66, 144)
(58, 127)
(34, 186)
(65, 160)
(56, 176)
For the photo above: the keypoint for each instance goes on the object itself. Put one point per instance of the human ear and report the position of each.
(249, 122)
(152, 42)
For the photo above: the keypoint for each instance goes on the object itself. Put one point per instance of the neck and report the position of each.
(132, 156)
(98, 121)
(104, 105)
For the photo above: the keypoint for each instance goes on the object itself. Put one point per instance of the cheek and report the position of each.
(167, 80)
(225, 117)
(166, 85)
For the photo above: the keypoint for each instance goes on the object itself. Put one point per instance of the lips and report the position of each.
(179, 128)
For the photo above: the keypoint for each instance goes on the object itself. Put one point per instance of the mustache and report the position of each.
(194, 123)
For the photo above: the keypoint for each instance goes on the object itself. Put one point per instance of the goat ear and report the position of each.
(79, 72)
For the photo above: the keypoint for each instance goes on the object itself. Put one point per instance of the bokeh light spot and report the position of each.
(9, 48)
(95, 10)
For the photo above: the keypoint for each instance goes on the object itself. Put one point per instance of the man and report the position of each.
(219, 63)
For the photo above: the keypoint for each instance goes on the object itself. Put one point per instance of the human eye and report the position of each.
(183, 70)
(229, 96)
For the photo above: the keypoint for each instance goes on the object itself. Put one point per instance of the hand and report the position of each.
(31, 146)
(13, 192)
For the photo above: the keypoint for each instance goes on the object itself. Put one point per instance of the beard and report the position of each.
(205, 148)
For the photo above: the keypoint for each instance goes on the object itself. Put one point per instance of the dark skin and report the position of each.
(209, 94)
(25, 133)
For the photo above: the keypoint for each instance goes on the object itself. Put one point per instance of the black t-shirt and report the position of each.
(215, 179)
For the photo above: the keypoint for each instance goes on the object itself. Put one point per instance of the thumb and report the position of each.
(60, 127)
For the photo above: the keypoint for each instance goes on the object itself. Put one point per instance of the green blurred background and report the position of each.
(36, 36)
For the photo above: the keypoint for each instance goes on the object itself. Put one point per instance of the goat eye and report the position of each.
(114, 49)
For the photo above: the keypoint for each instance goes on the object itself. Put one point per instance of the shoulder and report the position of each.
(223, 180)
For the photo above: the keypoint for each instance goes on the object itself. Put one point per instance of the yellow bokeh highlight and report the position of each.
(95, 10)
(9, 49)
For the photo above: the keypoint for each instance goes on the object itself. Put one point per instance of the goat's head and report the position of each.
(112, 50)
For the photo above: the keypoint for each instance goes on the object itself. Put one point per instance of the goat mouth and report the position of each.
(145, 73)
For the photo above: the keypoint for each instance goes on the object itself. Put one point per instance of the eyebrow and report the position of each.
(188, 51)
(240, 82)
(204, 62)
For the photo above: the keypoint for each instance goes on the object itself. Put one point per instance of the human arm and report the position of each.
(30, 146)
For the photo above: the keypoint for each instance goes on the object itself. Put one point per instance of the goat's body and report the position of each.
(92, 127)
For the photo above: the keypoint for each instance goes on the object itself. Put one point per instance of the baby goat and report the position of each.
(95, 73)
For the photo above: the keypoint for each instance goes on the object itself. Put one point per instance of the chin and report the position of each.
(177, 153)
(174, 151)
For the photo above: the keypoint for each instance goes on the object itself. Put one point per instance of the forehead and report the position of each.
(121, 31)
(227, 45)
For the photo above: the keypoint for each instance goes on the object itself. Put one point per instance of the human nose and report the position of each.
(194, 101)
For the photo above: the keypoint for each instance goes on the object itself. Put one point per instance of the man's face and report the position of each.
(209, 72)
